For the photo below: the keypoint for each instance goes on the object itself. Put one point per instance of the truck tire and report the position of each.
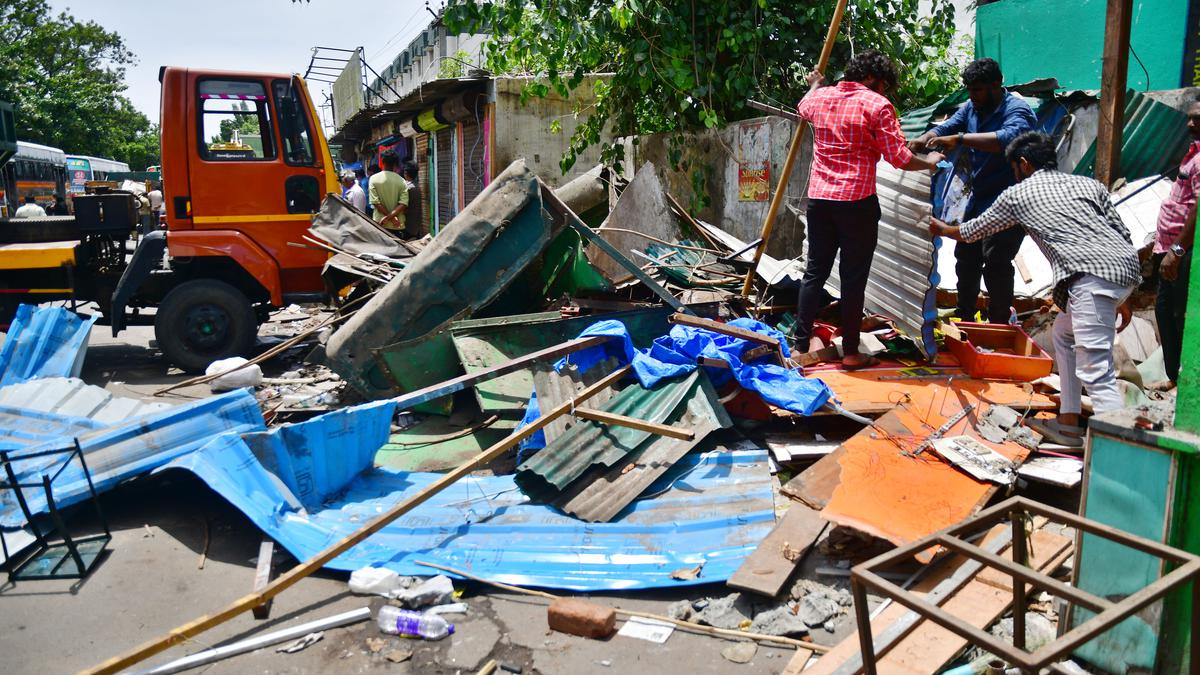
(202, 321)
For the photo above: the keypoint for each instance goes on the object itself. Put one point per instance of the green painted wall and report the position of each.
(1065, 39)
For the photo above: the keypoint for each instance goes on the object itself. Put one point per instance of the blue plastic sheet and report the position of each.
(113, 452)
(677, 353)
(712, 508)
(44, 342)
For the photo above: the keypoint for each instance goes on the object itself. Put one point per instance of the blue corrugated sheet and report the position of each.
(113, 452)
(712, 508)
(44, 342)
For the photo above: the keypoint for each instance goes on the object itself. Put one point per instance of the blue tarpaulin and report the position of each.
(44, 342)
(677, 353)
(113, 452)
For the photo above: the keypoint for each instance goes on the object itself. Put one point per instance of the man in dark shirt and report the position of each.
(414, 216)
(982, 128)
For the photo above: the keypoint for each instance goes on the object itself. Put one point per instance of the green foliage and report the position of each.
(453, 66)
(66, 80)
(245, 121)
(690, 65)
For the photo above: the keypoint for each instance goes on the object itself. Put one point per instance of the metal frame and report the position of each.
(1018, 511)
(43, 548)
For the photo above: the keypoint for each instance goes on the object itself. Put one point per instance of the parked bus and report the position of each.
(81, 169)
(35, 169)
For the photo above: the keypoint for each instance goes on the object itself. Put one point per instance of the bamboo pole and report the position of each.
(686, 625)
(289, 578)
(793, 150)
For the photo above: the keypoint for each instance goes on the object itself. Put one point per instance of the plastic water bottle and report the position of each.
(407, 623)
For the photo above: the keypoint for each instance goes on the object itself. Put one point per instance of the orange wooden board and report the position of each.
(886, 494)
(865, 391)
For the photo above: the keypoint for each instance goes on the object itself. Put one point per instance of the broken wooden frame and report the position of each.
(1018, 510)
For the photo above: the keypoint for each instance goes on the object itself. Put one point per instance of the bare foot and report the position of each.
(859, 361)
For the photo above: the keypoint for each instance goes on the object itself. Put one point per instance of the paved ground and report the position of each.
(152, 581)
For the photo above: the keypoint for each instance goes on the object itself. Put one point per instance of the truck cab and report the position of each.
(244, 167)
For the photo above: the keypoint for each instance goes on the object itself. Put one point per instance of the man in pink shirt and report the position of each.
(853, 126)
(1172, 246)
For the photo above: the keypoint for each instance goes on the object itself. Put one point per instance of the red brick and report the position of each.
(579, 617)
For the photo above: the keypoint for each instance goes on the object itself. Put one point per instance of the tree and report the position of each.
(66, 80)
(244, 120)
(687, 65)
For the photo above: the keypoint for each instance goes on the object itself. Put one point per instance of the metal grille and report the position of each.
(421, 153)
(473, 168)
(445, 176)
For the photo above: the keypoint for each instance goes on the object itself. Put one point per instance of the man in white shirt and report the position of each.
(156, 201)
(353, 192)
(30, 209)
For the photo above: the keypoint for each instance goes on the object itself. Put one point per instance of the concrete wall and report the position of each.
(524, 130)
(717, 150)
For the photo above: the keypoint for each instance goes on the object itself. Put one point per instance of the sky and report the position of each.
(257, 35)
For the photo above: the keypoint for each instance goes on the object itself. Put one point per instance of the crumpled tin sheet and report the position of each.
(594, 470)
(712, 508)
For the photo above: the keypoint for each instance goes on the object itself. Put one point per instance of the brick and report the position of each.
(579, 617)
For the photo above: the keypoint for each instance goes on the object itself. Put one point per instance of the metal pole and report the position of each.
(793, 150)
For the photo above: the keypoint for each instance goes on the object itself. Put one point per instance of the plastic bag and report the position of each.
(250, 376)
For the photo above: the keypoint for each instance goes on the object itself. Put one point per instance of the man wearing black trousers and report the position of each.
(983, 127)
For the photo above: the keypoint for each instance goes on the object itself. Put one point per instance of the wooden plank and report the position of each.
(262, 576)
(1114, 67)
(815, 485)
(634, 423)
(769, 567)
(926, 647)
(289, 578)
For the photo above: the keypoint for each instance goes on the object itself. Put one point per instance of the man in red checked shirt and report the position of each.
(854, 125)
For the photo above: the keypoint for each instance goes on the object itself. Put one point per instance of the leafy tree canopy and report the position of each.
(692, 64)
(66, 79)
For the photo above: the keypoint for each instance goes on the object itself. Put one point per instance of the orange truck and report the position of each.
(244, 167)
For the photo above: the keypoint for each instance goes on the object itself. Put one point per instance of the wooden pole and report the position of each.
(1114, 69)
(248, 602)
(793, 150)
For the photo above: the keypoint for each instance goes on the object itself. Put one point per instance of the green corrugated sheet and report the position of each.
(916, 122)
(428, 446)
(484, 343)
(1153, 142)
(594, 470)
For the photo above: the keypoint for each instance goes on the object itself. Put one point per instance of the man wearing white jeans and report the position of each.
(1074, 223)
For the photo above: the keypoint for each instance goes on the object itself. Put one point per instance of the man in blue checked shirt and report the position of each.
(982, 128)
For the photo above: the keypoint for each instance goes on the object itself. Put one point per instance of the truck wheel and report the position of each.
(202, 321)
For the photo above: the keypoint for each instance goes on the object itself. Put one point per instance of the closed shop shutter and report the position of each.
(473, 168)
(445, 176)
(421, 153)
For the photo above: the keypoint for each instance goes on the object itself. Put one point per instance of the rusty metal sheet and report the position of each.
(887, 494)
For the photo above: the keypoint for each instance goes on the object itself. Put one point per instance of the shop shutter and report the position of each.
(445, 173)
(473, 167)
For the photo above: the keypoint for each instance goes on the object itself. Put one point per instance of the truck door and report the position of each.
(254, 170)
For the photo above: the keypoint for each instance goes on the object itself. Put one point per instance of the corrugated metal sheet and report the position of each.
(555, 387)
(714, 508)
(72, 397)
(484, 343)
(594, 470)
(44, 342)
(1154, 139)
(118, 451)
(903, 281)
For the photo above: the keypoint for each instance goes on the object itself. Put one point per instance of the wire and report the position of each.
(1139, 60)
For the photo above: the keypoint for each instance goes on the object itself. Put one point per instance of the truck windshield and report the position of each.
(235, 122)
